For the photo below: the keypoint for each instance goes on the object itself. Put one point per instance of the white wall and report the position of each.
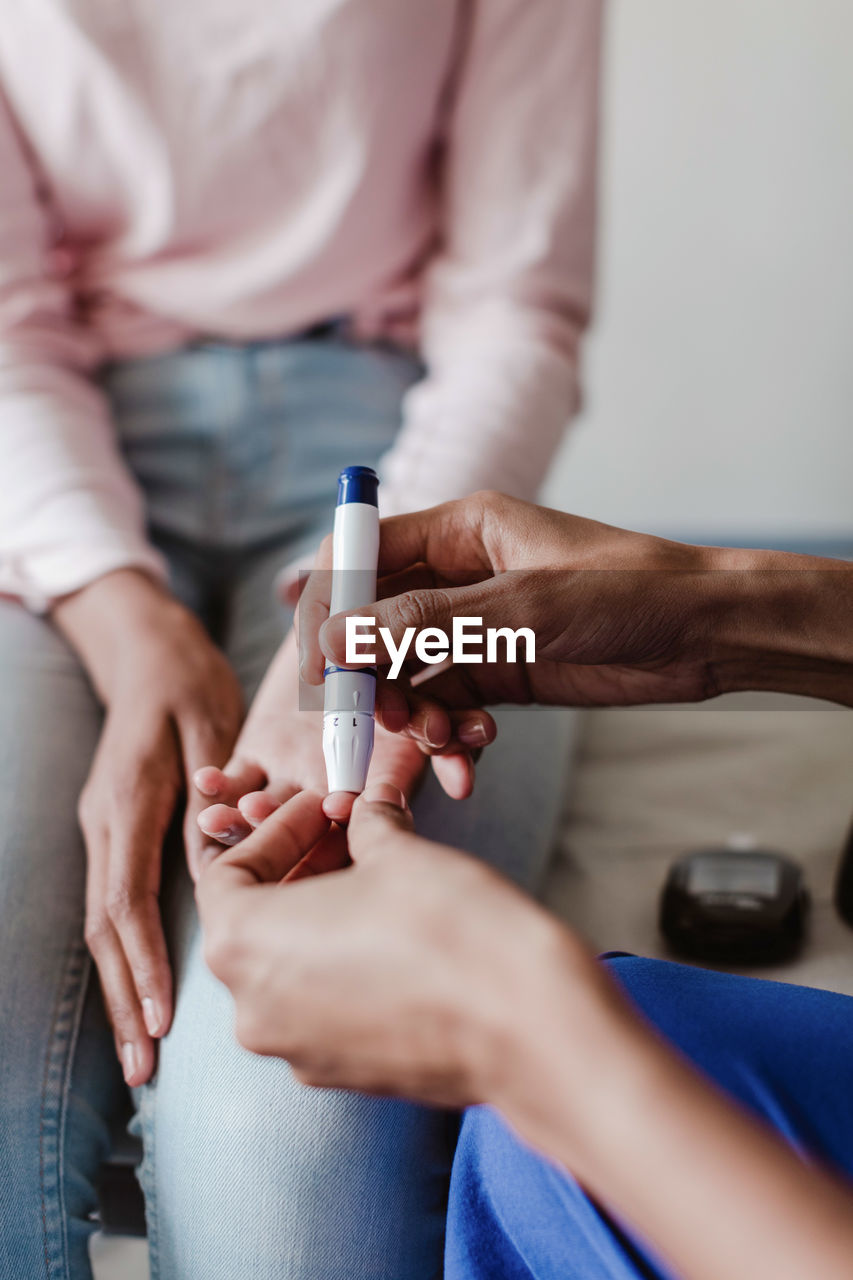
(719, 379)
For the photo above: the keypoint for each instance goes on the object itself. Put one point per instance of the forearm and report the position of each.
(508, 295)
(71, 510)
(656, 1143)
(782, 622)
(490, 415)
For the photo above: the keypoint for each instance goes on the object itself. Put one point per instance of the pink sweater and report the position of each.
(246, 169)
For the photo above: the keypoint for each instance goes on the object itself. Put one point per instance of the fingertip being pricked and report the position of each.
(337, 805)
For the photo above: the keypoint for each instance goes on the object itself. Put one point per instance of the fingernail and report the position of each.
(151, 1015)
(326, 631)
(473, 735)
(208, 790)
(431, 736)
(384, 793)
(128, 1060)
(225, 835)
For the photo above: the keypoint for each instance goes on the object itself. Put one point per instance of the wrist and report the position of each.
(580, 1073)
(781, 622)
(109, 596)
(110, 617)
(549, 1023)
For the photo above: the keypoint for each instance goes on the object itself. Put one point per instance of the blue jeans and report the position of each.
(245, 1173)
(785, 1052)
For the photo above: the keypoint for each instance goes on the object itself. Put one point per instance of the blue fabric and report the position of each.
(784, 1052)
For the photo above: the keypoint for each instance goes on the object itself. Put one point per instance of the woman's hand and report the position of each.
(172, 704)
(387, 976)
(418, 972)
(279, 752)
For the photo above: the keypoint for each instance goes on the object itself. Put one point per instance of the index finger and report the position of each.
(443, 536)
(311, 612)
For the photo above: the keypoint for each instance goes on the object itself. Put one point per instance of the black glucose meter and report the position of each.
(734, 907)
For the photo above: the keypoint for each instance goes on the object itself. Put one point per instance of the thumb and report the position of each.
(274, 848)
(405, 615)
(380, 824)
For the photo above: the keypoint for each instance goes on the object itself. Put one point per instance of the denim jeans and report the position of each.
(246, 1174)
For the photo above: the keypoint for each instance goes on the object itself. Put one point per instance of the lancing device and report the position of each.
(350, 696)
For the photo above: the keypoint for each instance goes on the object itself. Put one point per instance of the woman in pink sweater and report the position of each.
(242, 246)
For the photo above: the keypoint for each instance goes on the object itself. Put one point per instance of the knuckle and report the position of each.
(487, 498)
(87, 809)
(416, 609)
(491, 505)
(96, 930)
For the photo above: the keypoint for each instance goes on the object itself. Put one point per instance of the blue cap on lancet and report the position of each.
(358, 484)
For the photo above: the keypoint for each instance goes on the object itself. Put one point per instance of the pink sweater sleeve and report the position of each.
(509, 292)
(70, 510)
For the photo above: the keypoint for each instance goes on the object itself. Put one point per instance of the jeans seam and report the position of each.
(54, 1094)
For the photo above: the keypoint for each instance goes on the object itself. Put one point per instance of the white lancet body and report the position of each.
(349, 696)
